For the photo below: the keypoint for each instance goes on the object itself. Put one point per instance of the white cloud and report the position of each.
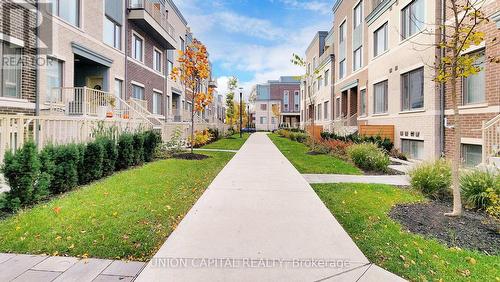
(323, 7)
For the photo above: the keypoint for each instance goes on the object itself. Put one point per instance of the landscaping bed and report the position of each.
(190, 156)
(473, 230)
(363, 211)
(233, 142)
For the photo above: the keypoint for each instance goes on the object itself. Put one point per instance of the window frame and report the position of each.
(463, 154)
(411, 153)
(56, 11)
(296, 100)
(157, 104)
(342, 69)
(18, 82)
(377, 52)
(355, 17)
(406, 97)
(407, 12)
(155, 66)
(466, 79)
(386, 96)
(117, 31)
(60, 64)
(326, 106)
(136, 86)
(286, 100)
(134, 36)
(354, 61)
(363, 102)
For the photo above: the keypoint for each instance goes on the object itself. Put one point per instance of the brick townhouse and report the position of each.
(17, 40)
(479, 97)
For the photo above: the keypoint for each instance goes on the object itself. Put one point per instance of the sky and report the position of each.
(254, 39)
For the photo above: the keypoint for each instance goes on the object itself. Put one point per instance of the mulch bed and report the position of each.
(473, 230)
(313, 153)
(191, 157)
(390, 171)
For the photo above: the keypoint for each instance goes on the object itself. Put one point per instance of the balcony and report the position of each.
(151, 16)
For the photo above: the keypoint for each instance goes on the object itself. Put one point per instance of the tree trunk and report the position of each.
(192, 117)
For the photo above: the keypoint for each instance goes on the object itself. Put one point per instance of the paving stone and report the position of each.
(124, 268)
(5, 257)
(84, 270)
(111, 278)
(60, 264)
(18, 265)
(38, 276)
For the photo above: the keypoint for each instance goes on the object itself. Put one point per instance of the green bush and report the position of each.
(475, 185)
(369, 156)
(110, 154)
(92, 162)
(125, 151)
(138, 147)
(152, 140)
(67, 162)
(433, 179)
(23, 173)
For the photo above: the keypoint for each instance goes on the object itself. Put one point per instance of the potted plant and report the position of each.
(112, 103)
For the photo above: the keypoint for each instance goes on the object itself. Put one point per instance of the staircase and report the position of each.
(491, 141)
(141, 106)
(346, 125)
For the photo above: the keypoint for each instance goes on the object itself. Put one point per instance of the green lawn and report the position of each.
(362, 210)
(231, 143)
(126, 216)
(318, 164)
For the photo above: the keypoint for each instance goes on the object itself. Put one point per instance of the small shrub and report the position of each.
(337, 148)
(92, 162)
(176, 144)
(475, 185)
(200, 138)
(369, 157)
(317, 146)
(125, 151)
(215, 134)
(433, 179)
(494, 198)
(138, 144)
(22, 171)
(152, 140)
(67, 160)
(110, 155)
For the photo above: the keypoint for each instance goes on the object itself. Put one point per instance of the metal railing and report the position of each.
(491, 138)
(157, 10)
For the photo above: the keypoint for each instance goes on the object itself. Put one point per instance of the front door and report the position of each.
(95, 82)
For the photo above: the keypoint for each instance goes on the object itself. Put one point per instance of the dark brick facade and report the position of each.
(18, 22)
(277, 90)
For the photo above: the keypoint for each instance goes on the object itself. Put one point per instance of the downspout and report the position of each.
(125, 84)
(37, 76)
(442, 87)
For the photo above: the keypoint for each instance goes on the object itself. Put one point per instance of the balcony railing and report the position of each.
(157, 10)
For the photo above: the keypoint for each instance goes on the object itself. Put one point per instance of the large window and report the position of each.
(472, 155)
(157, 97)
(380, 97)
(119, 88)
(412, 18)
(138, 48)
(296, 101)
(342, 69)
(342, 33)
(263, 120)
(326, 109)
(414, 149)
(358, 59)
(112, 33)
(54, 79)
(286, 100)
(69, 10)
(138, 92)
(380, 40)
(337, 107)
(170, 61)
(473, 85)
(358, 15)
(10, 72)
(157, 59)
(362, 99)
(327, 74)
(318, 109)
(412, 86)
(263, 107)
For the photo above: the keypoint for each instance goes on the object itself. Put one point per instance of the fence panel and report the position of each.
(385, 131)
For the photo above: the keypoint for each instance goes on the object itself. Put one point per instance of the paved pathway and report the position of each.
(43, 269)
(399, 180)
(260, 221)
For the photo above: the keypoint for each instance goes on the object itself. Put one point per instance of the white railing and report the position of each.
(141, 106)
(491, 138)
(345, 125)
(169, 128)
(16, 130)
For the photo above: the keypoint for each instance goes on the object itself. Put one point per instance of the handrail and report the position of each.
(144, 110)
(491, 122)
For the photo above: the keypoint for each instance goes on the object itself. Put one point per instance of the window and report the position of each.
(342, 69)
(412, 18)
(69, 10)
(412, 86)
(119, 90)
(320, 82)
(157, 97)
(358, 59)
(318, 109)
(112, 33)
(138, 48)
(380, 97)
(263, 107)
(315, 86)
(54, 79)
(296, 101)
(170, 61)
(157, 60)
(472, 155)
(362, 97)
(342, 33)
(314, 63)
(358, 15)
(337, 107)
(263, 120)
(414, 149)
(138, 92)
(273, 120)
(327, 74)
(286, 100)
(473, 85)
(325, 111)
(380, 40)
(10, 72)
(183, 45)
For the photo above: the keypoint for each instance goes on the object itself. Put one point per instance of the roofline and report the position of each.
(316, 37)
(176, 10)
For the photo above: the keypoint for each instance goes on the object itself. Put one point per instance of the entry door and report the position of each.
(95, 82)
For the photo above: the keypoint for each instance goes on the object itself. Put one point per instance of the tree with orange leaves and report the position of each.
(193, 71)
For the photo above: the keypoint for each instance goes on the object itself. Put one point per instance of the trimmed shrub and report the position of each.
(22, 171)
(433, 179)
(92, 162)
(110, 154)
(152, 140)
(67, 161)
(138, 144)
(475, 184)
(369, 156)
(298, 136)
(126, 155)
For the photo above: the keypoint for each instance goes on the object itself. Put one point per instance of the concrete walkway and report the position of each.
(398, 180)
(44, 269)
(260, 221)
